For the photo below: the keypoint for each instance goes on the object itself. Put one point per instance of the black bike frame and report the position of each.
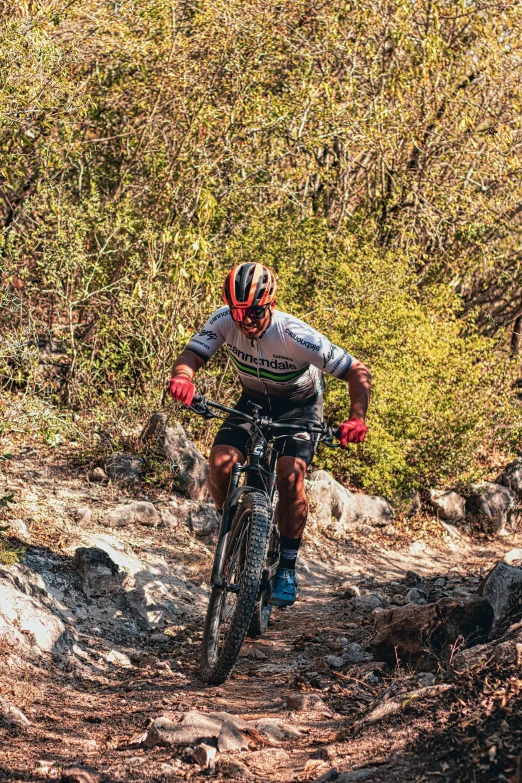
(260, 473)
(260, 476)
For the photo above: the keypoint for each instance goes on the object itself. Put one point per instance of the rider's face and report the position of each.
(254, 328)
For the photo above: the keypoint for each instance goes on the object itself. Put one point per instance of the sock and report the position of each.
(289, 549)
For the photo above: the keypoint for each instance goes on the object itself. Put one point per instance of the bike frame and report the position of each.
(260, 477)
(260, 472)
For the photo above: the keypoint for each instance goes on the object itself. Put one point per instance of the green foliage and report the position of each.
(440, 396)
(368, 152)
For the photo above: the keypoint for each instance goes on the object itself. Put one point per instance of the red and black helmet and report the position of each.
(249, 285)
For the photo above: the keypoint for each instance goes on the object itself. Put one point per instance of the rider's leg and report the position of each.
(291, 519)
(221, 462)
(293, 505)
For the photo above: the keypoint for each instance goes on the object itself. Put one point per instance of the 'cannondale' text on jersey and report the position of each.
(288, 360)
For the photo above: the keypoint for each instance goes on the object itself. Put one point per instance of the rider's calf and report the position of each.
(293, 505)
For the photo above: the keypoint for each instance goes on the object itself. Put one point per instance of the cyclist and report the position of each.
(280, 361)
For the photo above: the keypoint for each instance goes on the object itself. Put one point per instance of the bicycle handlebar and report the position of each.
(306, 426)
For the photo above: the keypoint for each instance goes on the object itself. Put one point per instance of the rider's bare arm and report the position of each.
(359, 382)
(186, 365)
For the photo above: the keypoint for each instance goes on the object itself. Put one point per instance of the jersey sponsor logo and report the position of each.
(288, 358)
(338, 362)
(218, 316)
(208, 333)
(198, 342)
(306, 343)
(247, 357)
(329, 356)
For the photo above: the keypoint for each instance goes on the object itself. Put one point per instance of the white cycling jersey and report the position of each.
(288, 360)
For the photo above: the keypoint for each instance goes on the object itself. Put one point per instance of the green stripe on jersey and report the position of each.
(263, 373)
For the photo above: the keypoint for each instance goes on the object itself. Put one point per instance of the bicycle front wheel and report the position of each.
(232, 604)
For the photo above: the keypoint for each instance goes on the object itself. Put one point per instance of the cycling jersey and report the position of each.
(288, 360)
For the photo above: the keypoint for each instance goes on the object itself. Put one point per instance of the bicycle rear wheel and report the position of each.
(231, 605)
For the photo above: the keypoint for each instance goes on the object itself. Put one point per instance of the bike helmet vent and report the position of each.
(249, 285)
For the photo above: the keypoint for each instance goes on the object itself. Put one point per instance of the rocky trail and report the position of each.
(100, 628)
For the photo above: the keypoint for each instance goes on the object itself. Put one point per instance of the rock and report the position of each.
(125, 468)
(25, 619)
(99, 575)
(411, 579)
(167, 519)
(508, 651)
(349, 591)
(353, 653)
(167, 770)
(332, 505)
(451, 529)
(135, 512)
(179, 450)
(440, 582)
(121, 516)
(276, 729)
(495, 502)
(415, 595)
(204, 755)
(466, 659)
(233, 769)
(511, 476)
(449, 505)
(502, 587)
(305, 702)
(263, 762)
(203, 519)
(97, 476)
(12, 716)
(367, 603)
(238, 722)
(160, 638)
(230, 738)
(118, 658)
(513, 556)
(419, 635)
(145, 513)
(335, 662)
(80, 773)
(427, 679)
(194, 727)
(17, 527)
(204, 722)
(82, 515)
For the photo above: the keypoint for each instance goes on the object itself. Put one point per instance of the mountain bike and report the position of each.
(247, 550)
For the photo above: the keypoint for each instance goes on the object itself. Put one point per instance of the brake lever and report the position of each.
(203, 410)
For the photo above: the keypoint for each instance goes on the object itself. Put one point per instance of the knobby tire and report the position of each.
(252, 512)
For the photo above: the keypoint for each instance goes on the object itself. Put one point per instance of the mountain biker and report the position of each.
(280, 361)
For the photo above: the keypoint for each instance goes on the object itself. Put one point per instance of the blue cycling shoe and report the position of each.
(284, 591)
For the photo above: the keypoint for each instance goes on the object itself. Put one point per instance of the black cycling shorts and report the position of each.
(236, 432)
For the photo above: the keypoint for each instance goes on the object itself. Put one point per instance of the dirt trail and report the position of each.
(98, 718)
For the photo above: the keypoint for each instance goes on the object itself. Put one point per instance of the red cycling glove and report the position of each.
(182, 389)
(351, 431)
